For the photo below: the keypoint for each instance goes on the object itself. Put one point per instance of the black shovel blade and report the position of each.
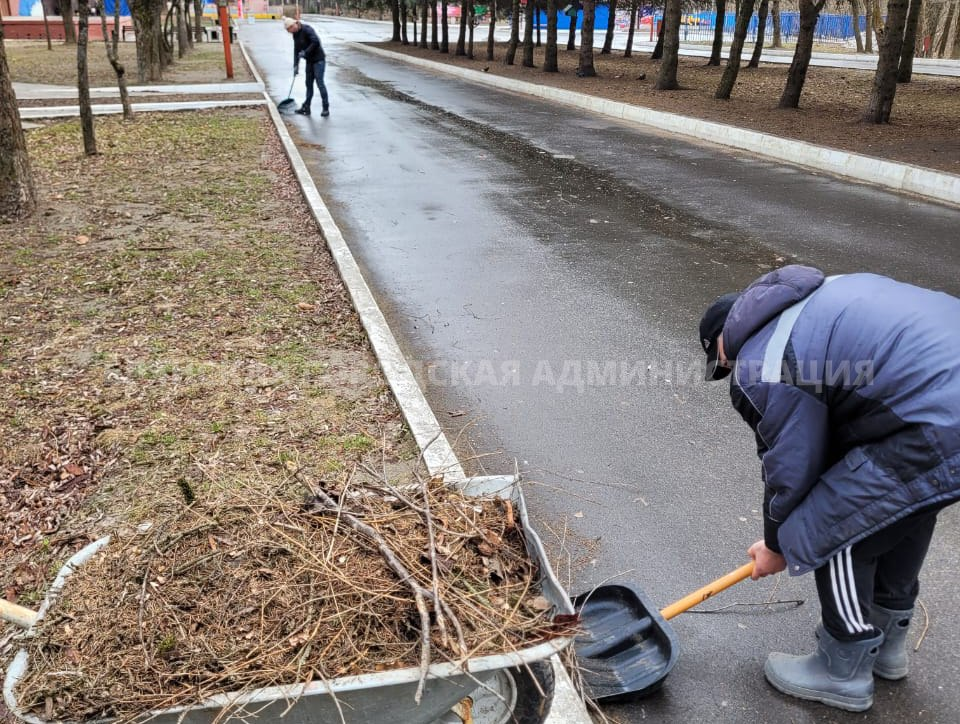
(625, 648)
(286, 104)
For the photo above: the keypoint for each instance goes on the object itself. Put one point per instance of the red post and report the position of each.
(225, 32)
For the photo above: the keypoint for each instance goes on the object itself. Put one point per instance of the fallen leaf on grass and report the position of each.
(81, 240)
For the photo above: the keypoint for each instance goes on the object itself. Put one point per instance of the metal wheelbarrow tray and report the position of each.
(367, 698)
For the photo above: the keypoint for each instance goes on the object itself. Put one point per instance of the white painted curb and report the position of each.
(438, 455)
(106, 109)
(935, 185)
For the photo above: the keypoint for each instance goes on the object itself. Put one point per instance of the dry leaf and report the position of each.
(82, 239)
(578, 514)
(306, 306)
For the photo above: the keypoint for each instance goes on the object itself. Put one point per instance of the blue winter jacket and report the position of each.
(856, 407)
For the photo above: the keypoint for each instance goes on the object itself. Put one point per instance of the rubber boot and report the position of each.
(892, 661)
(838, 673)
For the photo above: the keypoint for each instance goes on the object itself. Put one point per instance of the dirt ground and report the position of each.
(925, 129)
(31, 62)
(168, 318)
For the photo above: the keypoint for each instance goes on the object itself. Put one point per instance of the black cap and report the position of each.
(711, 325)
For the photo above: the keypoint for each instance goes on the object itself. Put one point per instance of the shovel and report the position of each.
(289, 101)
(626, 648)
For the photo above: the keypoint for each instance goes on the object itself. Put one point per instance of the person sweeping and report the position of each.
(852, 386)
(307, 47)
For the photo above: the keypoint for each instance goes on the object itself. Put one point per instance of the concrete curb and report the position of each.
(438, 455)
(930, 184)
(106, 109)
(25, 91)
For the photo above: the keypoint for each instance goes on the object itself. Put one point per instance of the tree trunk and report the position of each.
(182, 42)
(550, 54)
(83, 81)
(110, 41)
(761, 32)
(877, 15)
(198, 21)
(444, 28)
(572, 35)
(608, 38)
(628, 51)
(536, 14)
(492, 30)
(657, 53)
(462, 38)
(424, 20)
(586, 68)
(717, 49)
(776, 41)
(18, 198)
(69, 29)
(404, 39)
(855, 16)
(667, 80)
(885, 79)
(471, 23)
(809, 13)
(730, 73)
(905, 72)
(395, 17)
(413, 22)
(186, 22)
(868, 12)
(146, 23)
(46, 24)
(527, 61)
(511, 55)
(434, 26)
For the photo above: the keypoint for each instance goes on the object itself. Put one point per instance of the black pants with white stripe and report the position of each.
(883, 568)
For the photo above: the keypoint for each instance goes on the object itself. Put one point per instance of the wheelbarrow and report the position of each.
(625, 648)
(495, 689)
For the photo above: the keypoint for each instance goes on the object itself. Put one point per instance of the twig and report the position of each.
(926, 625)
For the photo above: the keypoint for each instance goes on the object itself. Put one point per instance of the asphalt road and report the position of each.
(544, 271)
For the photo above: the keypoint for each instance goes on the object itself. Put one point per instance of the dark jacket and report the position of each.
(856, 407)
(307, 40)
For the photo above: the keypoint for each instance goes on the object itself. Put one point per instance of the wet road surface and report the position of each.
(544, 271)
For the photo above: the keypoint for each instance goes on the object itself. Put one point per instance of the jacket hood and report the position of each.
(764, 299)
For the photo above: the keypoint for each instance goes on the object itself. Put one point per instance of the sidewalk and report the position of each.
(774, 132)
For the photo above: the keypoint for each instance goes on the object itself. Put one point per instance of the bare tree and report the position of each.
(657, 53)
(471, 24)
(110, 41)
(777, 40)
(667, 80)
(855, 17)
(905, 72)
(67, 11)
(572, 35)
(550, 53)
(527, 61)
(434, 29)
(761, 32)
(46, 24)
(628, 51)
(462, 38)
(198, 21)
(885, 79)
(444, 28)
(730, 73)
(403, 23)
(148, 28)
(83, 81)
(492, 29)
(395, 18)
(797, 75)
(586, 68)
(608, 38)
(717, 49)
(511, 54)
(424, 19)
(18, 198)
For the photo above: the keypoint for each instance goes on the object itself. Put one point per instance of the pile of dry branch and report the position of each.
(240, 587)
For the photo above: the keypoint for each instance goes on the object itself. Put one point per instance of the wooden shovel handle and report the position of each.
(12, 613)
(711, 589)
